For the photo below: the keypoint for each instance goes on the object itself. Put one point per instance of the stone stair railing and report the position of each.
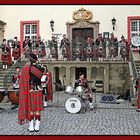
(133, 73)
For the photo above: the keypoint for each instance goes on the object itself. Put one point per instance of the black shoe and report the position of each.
(30, 131)
(36, 130)
(14, 107)
(138, 110)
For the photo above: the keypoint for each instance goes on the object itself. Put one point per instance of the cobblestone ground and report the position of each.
(109, 119)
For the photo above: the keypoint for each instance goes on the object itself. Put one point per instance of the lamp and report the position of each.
(113, 23)
(52, 25)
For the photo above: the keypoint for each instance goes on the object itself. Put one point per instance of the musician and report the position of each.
(27, 44)
(16, 49)
(46, 81)
(123, 45)
(15, 78)
(113, 40)
(15, 82)
(89, 51)
(54, 51)
(40, 46)
(64, 41)
(6, 54)
(100, 44)
(78, 49)
(30, 94)
(99, 39)
(82, 81)
(65, 45)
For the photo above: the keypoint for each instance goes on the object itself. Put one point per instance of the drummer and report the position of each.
(15, 82)
(82, 81)
(15, 78)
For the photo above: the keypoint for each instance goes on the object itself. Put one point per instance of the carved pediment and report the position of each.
(82, 15)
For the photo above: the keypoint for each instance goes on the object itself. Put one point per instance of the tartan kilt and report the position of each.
(5, 58)
(36, 100)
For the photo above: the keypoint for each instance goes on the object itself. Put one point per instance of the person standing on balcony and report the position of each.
(30, 94)
(6, 54)
(27, 46)
(16, 49)
(65, 45)
(40, 48)
(54, 49)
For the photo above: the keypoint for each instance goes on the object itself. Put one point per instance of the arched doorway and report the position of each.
(57, 82)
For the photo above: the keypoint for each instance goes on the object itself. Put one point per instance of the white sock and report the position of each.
(91, 105)
(45, 103)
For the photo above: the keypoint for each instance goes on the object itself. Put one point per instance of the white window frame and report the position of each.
(30, 34)
(137, 32)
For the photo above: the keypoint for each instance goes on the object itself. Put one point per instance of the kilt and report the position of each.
(36, 100)
(5, 58)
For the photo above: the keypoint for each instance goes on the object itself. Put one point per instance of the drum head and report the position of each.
(69, 89)
(79, 89)
(73, 105)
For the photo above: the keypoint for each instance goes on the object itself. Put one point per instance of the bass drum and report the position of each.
(13, 96)
(1, 96)
(73, 105)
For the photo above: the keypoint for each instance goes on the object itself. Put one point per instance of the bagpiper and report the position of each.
(6, 54)
(30, 94)
(65, 45)
(16, 49)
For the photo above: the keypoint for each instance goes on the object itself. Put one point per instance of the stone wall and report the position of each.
(115, 75)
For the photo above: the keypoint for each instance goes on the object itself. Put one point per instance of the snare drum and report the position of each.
(73, 105)
(69, 89)
(13, 96)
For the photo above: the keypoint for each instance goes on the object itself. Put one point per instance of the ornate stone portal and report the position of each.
(83, 25)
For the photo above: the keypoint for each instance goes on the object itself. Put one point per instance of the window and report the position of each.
(29, 29)
(133, 27)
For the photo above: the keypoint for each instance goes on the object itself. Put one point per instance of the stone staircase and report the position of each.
(136, 57)
(137, 63)
(2, 73)
(6, 75)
